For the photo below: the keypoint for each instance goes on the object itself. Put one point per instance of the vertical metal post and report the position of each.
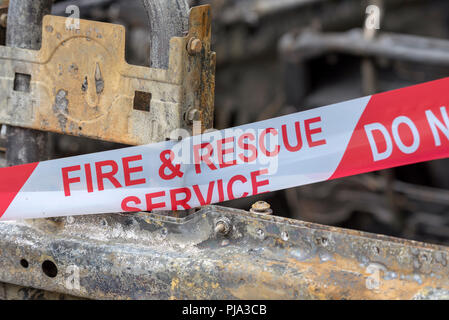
(24, 30)
(167, 19)
(370, 86)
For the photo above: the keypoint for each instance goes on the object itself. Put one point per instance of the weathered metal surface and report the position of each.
(167, 19)
(146, 256)
(24, 30)
(81, 84)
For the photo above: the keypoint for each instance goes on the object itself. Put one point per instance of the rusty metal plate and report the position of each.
(80, 83)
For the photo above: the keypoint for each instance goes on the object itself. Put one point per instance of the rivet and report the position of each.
(222, 226)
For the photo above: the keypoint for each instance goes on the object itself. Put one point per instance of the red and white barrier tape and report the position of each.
(381, 131)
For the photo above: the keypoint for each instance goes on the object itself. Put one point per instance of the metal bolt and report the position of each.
(192, 115)
(223, 226)
(3, 20)
(220, 227)
(261, 207)
(194, 46)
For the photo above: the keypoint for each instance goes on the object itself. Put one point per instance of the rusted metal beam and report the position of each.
(146, 256)
(24, 31)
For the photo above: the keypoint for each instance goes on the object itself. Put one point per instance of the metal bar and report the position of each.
(389, 45)
(24, 31)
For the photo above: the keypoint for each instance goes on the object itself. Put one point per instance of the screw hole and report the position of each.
(24, 263)
(49, 268)
(322, 241)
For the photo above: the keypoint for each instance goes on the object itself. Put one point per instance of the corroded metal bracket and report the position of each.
(80, 83)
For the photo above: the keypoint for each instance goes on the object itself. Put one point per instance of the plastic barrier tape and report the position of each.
(381, 131)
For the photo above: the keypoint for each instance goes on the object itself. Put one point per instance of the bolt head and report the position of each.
(261, 207)
(194, 46)
(193, 115)
(223, 226)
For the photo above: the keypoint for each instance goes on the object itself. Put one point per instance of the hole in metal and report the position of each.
(24, 263)
(84, 85)
(49, 268)
(142, 101)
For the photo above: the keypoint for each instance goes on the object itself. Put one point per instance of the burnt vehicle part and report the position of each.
(395, 60)
(146, 256)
